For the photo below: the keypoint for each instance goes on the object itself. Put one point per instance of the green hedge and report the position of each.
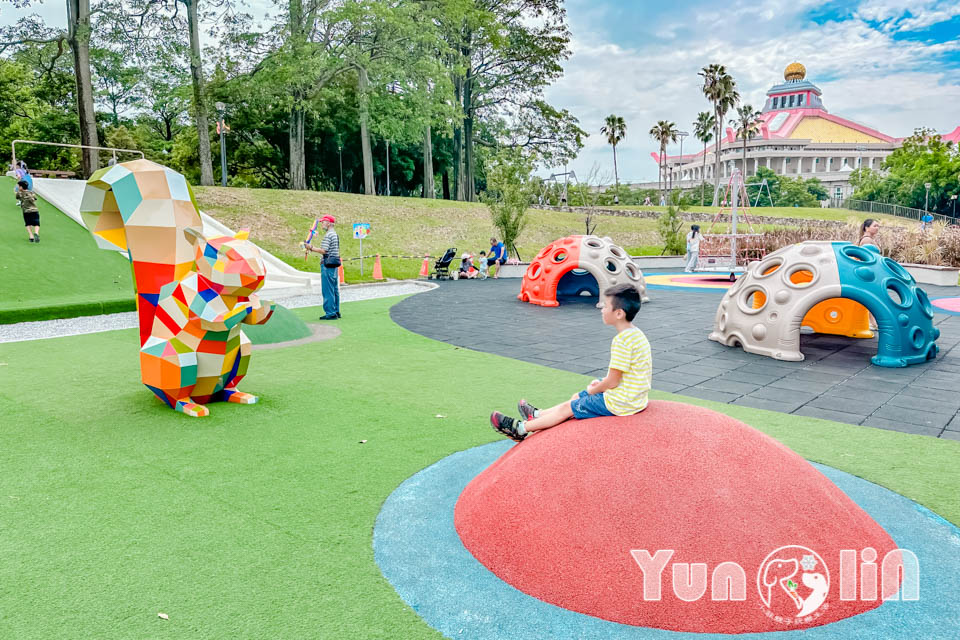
(57, 311)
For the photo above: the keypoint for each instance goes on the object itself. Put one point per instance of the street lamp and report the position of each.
(221, 127)
(340, 155)
(388, 167)
(860, 150)
(926, 203)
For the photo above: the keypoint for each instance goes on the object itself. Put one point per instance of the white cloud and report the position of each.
(866, 75)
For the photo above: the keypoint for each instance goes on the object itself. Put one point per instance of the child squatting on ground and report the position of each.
(31, 215)
(622, 393)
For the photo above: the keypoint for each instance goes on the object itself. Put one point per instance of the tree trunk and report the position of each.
(458, 140)
(199, 99)
(469, 182)
(428, 186)
(446, 185)
(78, 35)
(703, 172)
(716, 169)
(369, 186)
(743, 174)
(616, 177)
(298, 165)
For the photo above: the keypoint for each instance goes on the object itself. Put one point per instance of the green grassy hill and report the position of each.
(64, 276)
(279, 221)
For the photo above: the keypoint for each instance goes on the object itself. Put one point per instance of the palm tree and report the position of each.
(663, 132)
(747, 124)
(721, 89)
(616, 130)
(703, 130)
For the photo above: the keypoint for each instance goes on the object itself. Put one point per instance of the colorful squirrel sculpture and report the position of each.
(193, 293)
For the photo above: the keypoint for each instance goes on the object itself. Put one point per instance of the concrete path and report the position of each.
(835, 382)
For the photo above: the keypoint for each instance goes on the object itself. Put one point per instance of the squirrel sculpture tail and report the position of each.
(144, 208)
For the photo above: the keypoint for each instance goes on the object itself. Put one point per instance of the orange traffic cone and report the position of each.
(340, 271)
(425, 269)
(377, 273)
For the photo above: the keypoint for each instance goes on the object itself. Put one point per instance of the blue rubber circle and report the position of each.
(420, 554)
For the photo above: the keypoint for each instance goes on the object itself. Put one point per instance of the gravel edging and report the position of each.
(43, 329)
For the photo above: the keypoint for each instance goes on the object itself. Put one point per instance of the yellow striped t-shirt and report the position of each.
(630, 353)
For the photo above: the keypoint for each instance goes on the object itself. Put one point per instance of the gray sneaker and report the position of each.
(526, 410)
(506, 425)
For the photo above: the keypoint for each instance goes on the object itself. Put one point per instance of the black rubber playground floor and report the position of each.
(835, 382)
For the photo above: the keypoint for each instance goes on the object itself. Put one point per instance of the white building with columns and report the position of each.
(798, 137)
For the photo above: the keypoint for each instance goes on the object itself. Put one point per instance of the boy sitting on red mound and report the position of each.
(623, 392)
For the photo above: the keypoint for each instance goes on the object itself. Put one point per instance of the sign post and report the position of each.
(360, 231)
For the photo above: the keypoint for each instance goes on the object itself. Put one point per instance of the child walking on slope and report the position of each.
(27, 200)
(622, 392)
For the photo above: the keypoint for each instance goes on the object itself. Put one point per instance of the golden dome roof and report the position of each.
(794, 71)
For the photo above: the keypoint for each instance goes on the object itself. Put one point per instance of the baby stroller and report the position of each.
(441, 268)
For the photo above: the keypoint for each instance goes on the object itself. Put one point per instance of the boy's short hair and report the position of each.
(23, 184)
(483, 253)
(625, 297)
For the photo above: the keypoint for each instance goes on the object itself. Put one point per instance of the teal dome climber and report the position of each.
(827, 286)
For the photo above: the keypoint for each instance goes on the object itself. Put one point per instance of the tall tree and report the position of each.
(117, 82)
(703, 130)
(719, 88)
(615, 129)
(77, 36)
(664, 132)
(746, 124)
(506, 53)
(199, 95)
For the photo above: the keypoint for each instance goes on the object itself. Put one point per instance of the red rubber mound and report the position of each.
(558, 515)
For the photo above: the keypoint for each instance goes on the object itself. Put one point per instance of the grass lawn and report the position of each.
(279, 221)
(257, 521)
(66, 275)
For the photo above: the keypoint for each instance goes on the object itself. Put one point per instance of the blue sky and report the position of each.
(890, 64)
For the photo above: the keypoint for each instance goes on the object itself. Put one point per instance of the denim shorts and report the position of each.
(589, 406)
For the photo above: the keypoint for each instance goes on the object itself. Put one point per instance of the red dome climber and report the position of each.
(565, 515)
(590, 264)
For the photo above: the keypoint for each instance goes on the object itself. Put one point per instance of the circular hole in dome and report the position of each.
(834, 314)
(618, 252)
(925, 305)
(543, 252)
(752, 300)
(899, 294)
(560, 256)
(897, 270)
(579, 272)
(769, 267)
(916, 337)
(859, 254)
(533, 271)
(611, 266)
(632, 272)
(593, 242)
(800, 276)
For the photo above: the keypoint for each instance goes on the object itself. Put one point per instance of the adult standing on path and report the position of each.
(497, 256)
(693, 247)
(868, 233)
(330, 283)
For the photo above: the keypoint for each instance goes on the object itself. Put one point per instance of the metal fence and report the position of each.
(891, 209)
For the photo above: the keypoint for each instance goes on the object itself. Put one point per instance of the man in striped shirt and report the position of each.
(623, 392)
(329, 280)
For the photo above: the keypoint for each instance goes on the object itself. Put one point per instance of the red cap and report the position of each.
(329, 219)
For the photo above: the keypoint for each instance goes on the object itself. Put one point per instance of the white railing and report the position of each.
(13, 148)
(869, 206)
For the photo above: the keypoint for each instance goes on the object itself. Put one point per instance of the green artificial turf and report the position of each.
(284, 325)
(64, 276)
(257, 521)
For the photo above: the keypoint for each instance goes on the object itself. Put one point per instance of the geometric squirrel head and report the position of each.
(232, 262)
